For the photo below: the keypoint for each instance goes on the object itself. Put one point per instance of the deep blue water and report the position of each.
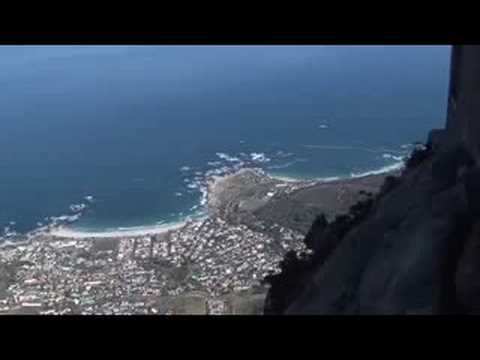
(119, 123)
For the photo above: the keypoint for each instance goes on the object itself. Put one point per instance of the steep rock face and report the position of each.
(415, 249)
(463, 124)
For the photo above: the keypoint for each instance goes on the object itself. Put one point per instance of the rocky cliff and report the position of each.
(415, 247)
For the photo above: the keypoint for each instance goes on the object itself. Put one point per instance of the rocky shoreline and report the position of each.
(215, 264)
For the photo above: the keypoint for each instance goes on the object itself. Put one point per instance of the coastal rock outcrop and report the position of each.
(413, 248)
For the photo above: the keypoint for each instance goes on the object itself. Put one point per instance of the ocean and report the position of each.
(125, 136)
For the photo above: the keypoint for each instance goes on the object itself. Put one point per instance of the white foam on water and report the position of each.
(77, 207)
(286, 178)
(397, 166)
(283, 154)
(204, 197)
(393, 157)
(227, 157)
(185, 168)
(329, 179)
(283, 166)
(259, 157)
(89, 198)
(294, 179)
(214, 163)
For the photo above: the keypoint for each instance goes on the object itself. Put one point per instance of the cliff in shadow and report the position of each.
(414, 248)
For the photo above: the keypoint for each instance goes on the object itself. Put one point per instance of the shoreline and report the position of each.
(66, 231)
(399, 165)
(251, 221)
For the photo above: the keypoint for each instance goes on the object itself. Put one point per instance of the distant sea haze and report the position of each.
(119, 137)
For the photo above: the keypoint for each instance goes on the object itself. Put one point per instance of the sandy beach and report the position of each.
(68, 232)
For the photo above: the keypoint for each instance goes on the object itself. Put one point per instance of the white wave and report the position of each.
(77, 207)
(286, 178)
(89, 198)
(385, 169)
(214, 163)
(9, 232)
(393, 157)
(259, 157)
(185, 168)
(227, 157)
(299, 179)
(329, 179)
(204, 197)
(323, 126)
(420, 146)
(238, 165)
(178, 194)
(282, 166)
(217, 171)
(281, 153)
(64, 218)
(192, 186)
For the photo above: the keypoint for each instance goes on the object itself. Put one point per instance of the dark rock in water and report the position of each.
(414, 248)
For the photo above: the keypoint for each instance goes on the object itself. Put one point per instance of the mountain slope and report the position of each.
(415, 247)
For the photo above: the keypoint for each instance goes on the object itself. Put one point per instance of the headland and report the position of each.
(209, 265)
